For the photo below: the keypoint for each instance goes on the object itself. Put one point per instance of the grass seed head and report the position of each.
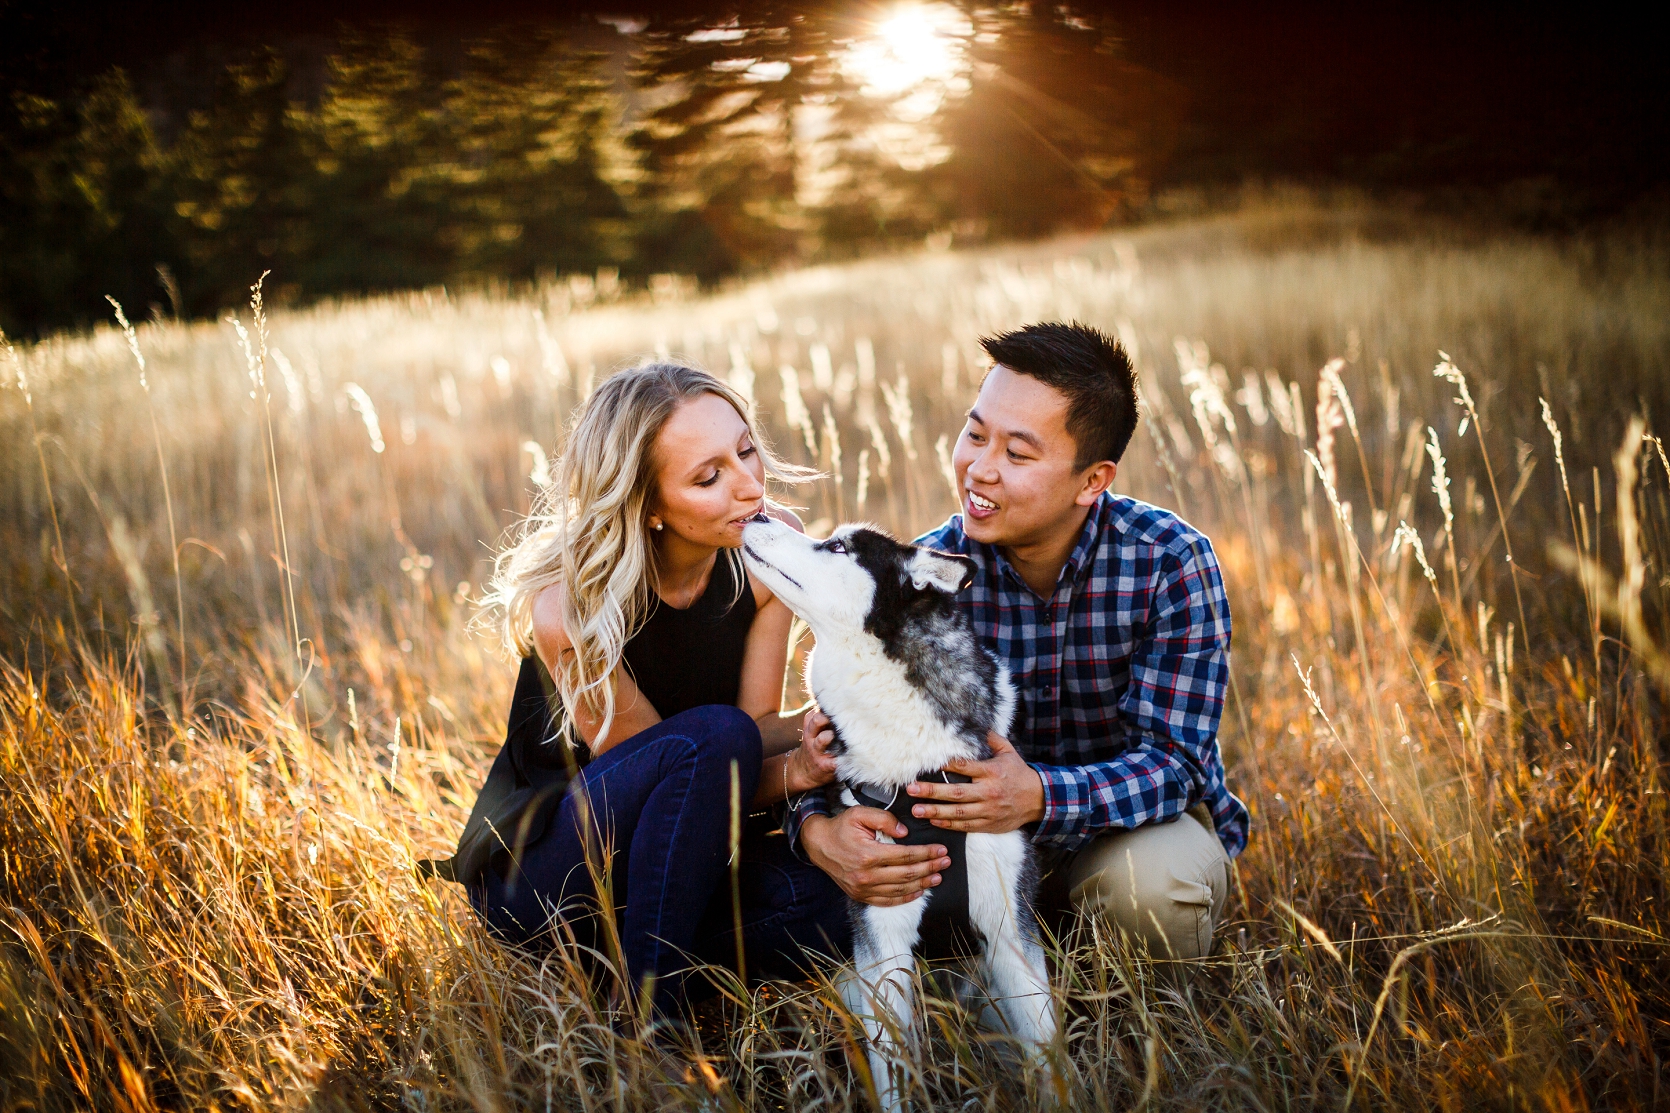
(132, 339)
(1451, 374)
(1440, 479)
(361, 401)
(1330, 415)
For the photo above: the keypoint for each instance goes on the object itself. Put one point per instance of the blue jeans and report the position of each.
(660, 816)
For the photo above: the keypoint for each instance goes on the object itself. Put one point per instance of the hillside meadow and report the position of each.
(244, 687)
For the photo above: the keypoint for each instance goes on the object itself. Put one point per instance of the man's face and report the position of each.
(1015, 462)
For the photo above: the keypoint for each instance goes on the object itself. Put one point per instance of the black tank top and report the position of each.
(679, 659)
(693, 657)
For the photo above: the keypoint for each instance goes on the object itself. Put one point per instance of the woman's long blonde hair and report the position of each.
(589, 530)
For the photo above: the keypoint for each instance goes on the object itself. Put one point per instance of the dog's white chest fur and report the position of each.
(889, 728)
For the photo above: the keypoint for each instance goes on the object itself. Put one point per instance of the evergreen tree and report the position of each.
(716, 142)
(86, 215)
(534, 170)
(242, 182)
(1057, 130)
(880, 147)
(738, 118)
(378, 215)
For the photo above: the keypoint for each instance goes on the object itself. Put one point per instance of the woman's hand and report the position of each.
(810, 764)
(816, 728)
(790, 772)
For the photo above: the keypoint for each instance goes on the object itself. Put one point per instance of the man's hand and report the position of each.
(1005, 793)
(871, 872)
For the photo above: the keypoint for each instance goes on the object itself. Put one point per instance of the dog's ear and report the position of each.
(939, 571)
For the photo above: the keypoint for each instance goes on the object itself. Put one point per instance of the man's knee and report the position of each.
(1165, 884)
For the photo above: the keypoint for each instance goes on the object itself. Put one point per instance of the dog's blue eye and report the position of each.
(834, 547)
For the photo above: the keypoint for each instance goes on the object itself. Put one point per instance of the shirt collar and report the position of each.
(1084, 549)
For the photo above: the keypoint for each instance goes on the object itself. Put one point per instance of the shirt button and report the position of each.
(1049, 691)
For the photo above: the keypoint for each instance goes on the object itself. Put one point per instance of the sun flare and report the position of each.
(912, 45)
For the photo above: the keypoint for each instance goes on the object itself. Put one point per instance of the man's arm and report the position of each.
(880, 873)
(846, 848)
(801, 809)
(1172, 707)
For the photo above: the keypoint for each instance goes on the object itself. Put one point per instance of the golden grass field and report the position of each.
(217, 767)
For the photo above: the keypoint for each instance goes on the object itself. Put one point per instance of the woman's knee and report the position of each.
(722, 734)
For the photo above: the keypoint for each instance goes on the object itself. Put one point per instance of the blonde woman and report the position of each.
(652, 677)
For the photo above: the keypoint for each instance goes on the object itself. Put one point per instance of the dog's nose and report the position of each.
(760, 517)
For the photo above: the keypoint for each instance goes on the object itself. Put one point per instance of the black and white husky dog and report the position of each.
(899, 671)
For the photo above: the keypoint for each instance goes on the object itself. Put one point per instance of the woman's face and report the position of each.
(709, 476)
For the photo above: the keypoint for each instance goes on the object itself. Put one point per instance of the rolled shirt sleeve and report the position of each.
(800, 809)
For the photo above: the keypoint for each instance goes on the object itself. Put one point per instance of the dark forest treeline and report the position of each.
(167, 157)
(388, 159)
(385, 180)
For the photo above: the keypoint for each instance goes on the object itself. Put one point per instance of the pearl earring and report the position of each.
(657, 526)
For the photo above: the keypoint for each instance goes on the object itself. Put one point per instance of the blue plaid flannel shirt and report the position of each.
(1119, 675)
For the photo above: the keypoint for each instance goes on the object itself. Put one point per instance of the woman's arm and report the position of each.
(791, 765)
(803, 768)
(760, 692)
(633, 712)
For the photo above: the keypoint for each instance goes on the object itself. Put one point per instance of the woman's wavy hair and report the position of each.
(589, 530)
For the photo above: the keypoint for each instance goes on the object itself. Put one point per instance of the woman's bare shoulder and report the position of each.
(550, 636)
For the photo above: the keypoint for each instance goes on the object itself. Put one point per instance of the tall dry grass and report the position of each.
(1454, 894)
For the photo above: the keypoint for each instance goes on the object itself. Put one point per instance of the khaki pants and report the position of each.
(1165, 884)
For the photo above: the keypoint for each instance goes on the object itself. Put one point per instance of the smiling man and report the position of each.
(1112, 617)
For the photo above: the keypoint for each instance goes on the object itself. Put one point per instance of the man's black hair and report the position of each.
(1090, 368)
